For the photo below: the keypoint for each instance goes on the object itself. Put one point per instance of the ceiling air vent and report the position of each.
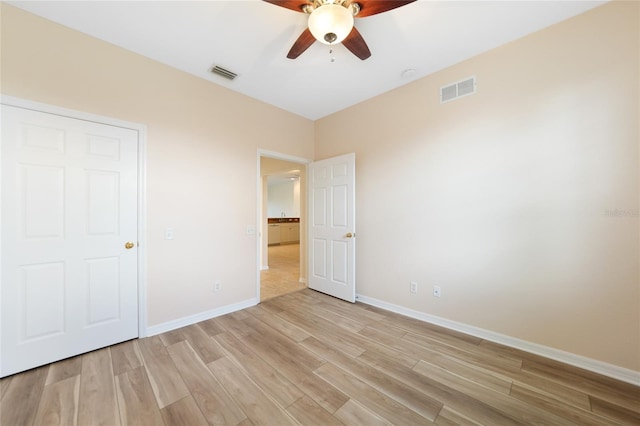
(224, 73)
(458, 89)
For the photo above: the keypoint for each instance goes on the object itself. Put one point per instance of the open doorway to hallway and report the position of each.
(283, 221)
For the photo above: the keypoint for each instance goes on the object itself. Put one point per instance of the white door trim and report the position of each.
(278, 156)
(142, 182)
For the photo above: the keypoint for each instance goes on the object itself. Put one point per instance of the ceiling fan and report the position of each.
(331, 22)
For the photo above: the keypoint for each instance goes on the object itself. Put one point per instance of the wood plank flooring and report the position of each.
(309, 359)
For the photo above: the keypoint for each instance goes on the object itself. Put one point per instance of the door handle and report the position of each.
(129, 245)
(350, 235)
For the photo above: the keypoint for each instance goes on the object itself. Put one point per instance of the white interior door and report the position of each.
(69, 206)
(332, 227)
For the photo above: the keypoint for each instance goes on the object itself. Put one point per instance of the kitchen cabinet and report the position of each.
(273, 233)
(289, 233)
(284, 231)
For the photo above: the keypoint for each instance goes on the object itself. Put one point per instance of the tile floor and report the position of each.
(283, 274)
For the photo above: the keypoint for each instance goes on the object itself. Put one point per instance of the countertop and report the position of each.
(283, 220)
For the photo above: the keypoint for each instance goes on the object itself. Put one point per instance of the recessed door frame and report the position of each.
(261, 233)
(142, 161)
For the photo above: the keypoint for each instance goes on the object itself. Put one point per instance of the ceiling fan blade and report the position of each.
(303, 42)
(356, 44)
(373, 7)
(290, 4)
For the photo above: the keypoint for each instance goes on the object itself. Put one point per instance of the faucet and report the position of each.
(282, 216)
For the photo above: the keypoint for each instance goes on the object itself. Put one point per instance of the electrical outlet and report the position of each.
(216, 286)
(168, 234)
(437, 291)
(413, 287)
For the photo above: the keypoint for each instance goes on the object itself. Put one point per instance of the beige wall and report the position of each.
(201, 155)
(500, 197)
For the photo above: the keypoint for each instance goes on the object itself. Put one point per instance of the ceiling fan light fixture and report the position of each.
(331, 23)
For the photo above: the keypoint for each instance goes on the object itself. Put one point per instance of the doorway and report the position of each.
(282, 225)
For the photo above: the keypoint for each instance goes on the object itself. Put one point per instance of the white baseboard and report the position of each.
(202, 316)
(264, 268)
(302, 280)
(609, 370)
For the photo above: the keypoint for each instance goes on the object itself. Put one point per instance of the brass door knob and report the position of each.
(349, 235)
(129, 245)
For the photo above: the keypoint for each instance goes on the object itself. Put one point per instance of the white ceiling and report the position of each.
(252, 38)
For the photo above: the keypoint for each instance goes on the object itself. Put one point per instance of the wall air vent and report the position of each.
(223, 72)
(458, 89)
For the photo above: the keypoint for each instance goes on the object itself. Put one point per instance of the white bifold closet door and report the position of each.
(69, 220)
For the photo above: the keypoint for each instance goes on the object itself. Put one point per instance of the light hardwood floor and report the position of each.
(306, 358)
(283, 275)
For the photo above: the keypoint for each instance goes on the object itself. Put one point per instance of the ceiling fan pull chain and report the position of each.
(331, 57)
